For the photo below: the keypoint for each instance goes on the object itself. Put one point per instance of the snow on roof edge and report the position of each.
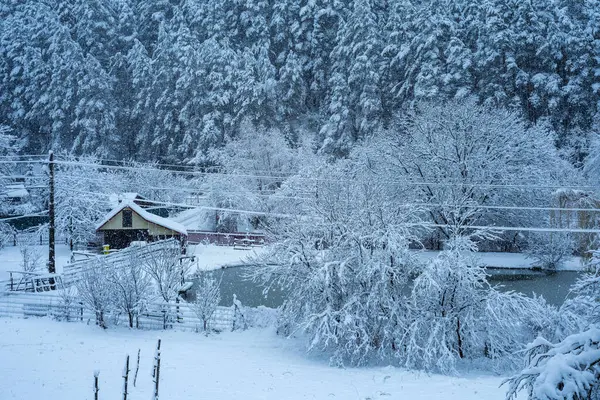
(158, 220)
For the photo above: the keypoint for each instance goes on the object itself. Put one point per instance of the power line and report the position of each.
(24, 216)
(504, 228)
(157, 170)
(24, 156)
(406, 182)
(403, 205)
(21, 161)
(419, 204)
(416, 224)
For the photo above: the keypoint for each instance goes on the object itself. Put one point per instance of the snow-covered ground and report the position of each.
(510, 260)
(42, 358)
(209, 257)
(10, 258)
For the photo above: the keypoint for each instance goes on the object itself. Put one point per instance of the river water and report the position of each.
(553, 287)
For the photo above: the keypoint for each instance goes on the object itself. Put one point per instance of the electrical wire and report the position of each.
(405, 182)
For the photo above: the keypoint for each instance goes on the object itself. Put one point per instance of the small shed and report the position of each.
(128, 222)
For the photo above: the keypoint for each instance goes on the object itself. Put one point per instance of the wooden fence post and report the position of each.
(125, 377)
(137, 368)
(96, 389)
(156, 371)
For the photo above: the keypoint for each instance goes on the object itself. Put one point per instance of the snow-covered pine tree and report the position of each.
(355, 108)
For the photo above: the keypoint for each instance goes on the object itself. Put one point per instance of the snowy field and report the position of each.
(10, 258)
(46, 359)
(211, 257)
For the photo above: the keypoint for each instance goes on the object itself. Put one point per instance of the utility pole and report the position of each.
(51, 226)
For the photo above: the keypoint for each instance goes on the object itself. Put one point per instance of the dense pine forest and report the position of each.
(169, 80)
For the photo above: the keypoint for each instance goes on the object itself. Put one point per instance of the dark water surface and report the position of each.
(553, 287)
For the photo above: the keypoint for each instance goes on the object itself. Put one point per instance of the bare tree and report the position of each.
(208, 296)
(465, 157)
(96, 290)
(131, 286)
(167, 270)
(550, 249)
(31, 257)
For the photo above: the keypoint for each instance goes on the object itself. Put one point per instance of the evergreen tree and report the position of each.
(355, 107)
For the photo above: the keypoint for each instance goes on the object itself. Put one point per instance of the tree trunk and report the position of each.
(459, 339)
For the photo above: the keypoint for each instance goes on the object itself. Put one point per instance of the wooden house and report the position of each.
(128, 222)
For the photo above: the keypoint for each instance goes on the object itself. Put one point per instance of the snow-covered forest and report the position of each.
(171, 79)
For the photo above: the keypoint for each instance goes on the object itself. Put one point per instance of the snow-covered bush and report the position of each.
(6, 234)
(549, 250)
(208, 296)
(569, 368)
(456, 314)
(31, 257)
(131, 287)
(69, 299)
(261, 316)
(566, 370)
(583, 308)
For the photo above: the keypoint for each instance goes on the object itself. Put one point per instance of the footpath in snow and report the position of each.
(45, 359)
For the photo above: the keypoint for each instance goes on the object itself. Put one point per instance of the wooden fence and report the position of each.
(154, 316)
(41, 282)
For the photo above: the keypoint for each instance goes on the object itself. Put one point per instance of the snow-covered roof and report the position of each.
(196, 219)
(155, 219)
(117, 198)
(16, 191)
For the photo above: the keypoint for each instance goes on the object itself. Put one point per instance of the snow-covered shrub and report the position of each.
(566, 370)
(456, 314)
(96, 291)
(6, 234)
(131, 286)
(261, 316)
(240, 321)
(31, 257)
(208, 296)
(69, 302)
(583, 309)
(550, 249)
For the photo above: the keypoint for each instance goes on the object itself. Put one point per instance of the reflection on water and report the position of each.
(553, 287)
(234, 281)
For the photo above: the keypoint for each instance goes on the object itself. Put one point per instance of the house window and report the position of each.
(127, 219)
